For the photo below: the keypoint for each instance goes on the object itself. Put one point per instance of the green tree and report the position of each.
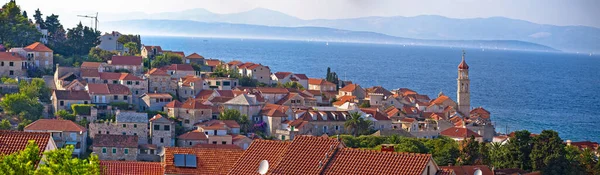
(8, 80)
(246, 81)
(232, 114)
(81, 39)
(99, 55)
(575, 158)
(21, 104)
(498, 154)
(5, 125)
(166, 59)
(365, 104)
(65, 115)
(293, 85)
(357, 124)
(23, 123)
(132, 47)
(410, 145)
(36, 89)
(38, 18)
(135, 39)
(444, 150)
(25, 14)
(57, 35)
(548, 153)
(469, 153)
(519, 149)
(61, 161)
(22, 162)
(15, 29)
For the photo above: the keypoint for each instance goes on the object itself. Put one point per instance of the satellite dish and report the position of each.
(478, 172)
(264, 167)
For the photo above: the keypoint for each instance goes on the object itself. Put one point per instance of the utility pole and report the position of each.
(92, 17)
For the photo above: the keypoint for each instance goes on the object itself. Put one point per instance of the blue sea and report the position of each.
(522, 90)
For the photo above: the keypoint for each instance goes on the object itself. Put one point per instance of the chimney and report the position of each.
(387, 148)
(568, 142)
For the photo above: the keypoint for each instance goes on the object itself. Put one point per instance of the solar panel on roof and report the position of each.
(179, 160)
(190, 160)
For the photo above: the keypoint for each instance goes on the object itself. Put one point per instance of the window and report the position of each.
(162, 140)
(218, 83)
(184, 160)
(337, 127)
(215, 142)
(62, 103)
(215, 132)
(125, 97)
(99, 132)
(114, 151)
(103, 150)
(124, 125)
(105, 81)
(282, 137)
(134, 125)
(157, 100)
(167, 128)
(116, 97)
(124, 133)
(156, 127)
(223, 142)
(126, 151)
(115, 82)
(325, 129)
(85, 102)
(137, 82)
(186, 121)
(128, 82)
(190, 143)
(11, 64)
(107, 132)
(2, 63)
(226, 83)
(134, 134)
(11, 72)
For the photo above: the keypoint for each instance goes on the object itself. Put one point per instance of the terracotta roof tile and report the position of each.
(375, 113)
(180, 67)
(379, 90)
(90, 65)
(174, 104)
(301, 76)
(272, 151)
(192, 103)
(319, 81)
(194, 56)
(108, 89)
(349, 88)
(38, 47)
(282, 75)
(193, 135)
(119, 141)
(90, 73)
(10, 56)
(126, 60)
(130, 168)
(271, 90)
(310, 151)
(274, 110)
(361, 161)
(209, 161)
(71, 95)
(14, 141)
(55, 125)
(459, 132)
(212, 62)
(157, 72)
(218, 146)
(159, 95)
(218, 124)
(234, 63)
(149, 48)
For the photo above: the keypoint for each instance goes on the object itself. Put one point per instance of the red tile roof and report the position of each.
(272, 151)
(301, 76)
(218, 146)
(271, 90)
(118, 76)
(194, 56)
(90, 65)
(55, 125)
(459, 132)
(71, 95)
(10, 56)
(379, 90)
(212, 62)
(480, 112)
(209, 161)
(343, 99)
(108, 89)
(193, 135)
(375, 113)
(126, 60)
(585, 144)
(119, 141)
(226, 93)
(469, 169)
(308, 150)
(319, 81)
(192, 103)
(440, 100)
(14, 141)
(218, 124)
(149, 48)
(38, 47)
(159, 95)
(90, 73)
(463, 64)
(180, 67)
(349, 88)
(157, 72)
(282, 75)
(108, 167)
(362, 161)
(174, 104)
(234, 63)
(274, 110)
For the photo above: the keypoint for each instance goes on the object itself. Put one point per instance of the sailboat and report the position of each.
(327, 43)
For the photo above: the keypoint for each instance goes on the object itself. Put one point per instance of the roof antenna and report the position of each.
(263, 167)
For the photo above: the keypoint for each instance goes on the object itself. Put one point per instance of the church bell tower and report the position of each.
(463, 94)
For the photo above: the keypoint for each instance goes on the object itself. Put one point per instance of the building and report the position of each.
(162, 131)
(200, 160)
(194, 58)
(104, 94)
(189, 86)
(64, 132)
(109, 42)
(68, 78)
(320, 85)
(461, 133)
(63, 99)
(12, 65)
(159, 81)
(190, 112)
(322, 155)
(192, 138)
(112, 167)
(220, 83)
(247, 104)
(126, 123)
(179, 70)
(285, 77)
(15, 141)
(212, 64)
(151, 51)
(462, 90)
(132, 64)
(37, 55)
(256, 71)
(219, 131)
(353, 90)
(154, 101)
(116, 147)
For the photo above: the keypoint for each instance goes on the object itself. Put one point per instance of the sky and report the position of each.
(556, 12)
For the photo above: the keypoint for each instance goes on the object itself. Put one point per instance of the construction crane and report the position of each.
(92, 17)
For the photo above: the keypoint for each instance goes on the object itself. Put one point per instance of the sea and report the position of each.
(527, 90)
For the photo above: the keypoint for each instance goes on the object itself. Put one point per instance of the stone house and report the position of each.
(461, 133)
(272, 95)
(179, 70)
(190, 112)
(212, 64)
(116, 147)
(353, 90)
(12, 65)
(220, 83)
(294, 100)
(18, 141)
(439, 104)
(162, 131)
(37, 55)
(63, 99)
(189, 86)
(159, 81)
(241, 141)
(380, 121)
(68, 78)
(151, 51)
(256, 71)
(104, 94)
(285, 77)
(192, 138)
(194, 58)
(154, 101)
(109, 42)
(233, 65)
(132, 64)
(136, 85)
(273, 116)
(247, 104)
(219, 131)
(126, 123)
(63, 132)
(320, 85)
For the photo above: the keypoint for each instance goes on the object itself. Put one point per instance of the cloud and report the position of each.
(540, 35)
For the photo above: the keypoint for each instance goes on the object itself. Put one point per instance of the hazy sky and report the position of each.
(557, 12)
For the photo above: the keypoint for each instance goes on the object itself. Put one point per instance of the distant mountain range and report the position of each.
(566, 38)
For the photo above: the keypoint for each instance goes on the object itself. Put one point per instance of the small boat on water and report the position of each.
(327, 43)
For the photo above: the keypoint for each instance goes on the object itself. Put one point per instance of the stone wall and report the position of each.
(139, 129)
(119, 155)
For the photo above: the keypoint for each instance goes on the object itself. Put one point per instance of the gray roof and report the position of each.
(243, 99)
(131, 117)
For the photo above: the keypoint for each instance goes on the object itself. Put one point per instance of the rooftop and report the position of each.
(108, 167)
(49, 125)
(119, 141)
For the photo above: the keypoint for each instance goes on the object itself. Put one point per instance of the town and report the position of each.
(143, 109)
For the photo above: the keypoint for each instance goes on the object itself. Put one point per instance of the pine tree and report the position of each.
(548, 153)
(25, 14)
(38, 18)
